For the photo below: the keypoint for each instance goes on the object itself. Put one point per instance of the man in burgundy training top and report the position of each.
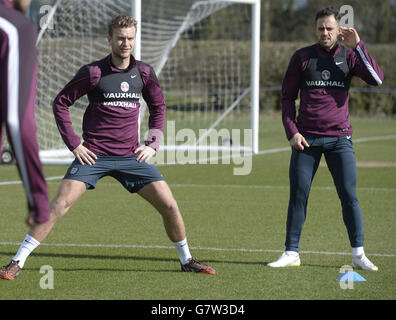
(111, 146)
(322, 74)
(18, 84)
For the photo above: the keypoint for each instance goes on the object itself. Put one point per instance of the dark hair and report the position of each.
(329, 11)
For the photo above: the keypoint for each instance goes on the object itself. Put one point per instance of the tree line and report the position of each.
(294, 20)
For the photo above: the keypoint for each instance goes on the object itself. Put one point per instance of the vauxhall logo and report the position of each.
(322, 83)
(325, 82)
(122, 95)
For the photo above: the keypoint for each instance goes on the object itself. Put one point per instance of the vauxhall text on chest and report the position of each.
(123, 89)
(326, 72)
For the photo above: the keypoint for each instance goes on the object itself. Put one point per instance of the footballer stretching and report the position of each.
(110, 144)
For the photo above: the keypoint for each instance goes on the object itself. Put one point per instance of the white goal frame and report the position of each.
(254, 89)
(65, 156)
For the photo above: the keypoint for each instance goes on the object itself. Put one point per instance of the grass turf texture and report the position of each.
(223, 213)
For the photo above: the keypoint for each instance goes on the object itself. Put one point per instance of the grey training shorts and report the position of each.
(133, 175)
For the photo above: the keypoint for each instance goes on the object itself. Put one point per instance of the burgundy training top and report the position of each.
(323, 106)
(110, 123)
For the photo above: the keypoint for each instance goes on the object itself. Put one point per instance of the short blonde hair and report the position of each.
(121, 22)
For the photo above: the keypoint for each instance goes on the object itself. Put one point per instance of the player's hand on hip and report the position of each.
(84, 155)
(145, 153)
(298, 142)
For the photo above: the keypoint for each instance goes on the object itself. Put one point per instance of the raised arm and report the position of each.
(362, 64)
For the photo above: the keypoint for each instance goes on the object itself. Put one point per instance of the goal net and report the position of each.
(200, 50)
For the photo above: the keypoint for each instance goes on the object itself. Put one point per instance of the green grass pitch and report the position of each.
(112, 245)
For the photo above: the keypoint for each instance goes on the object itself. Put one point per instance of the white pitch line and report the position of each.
(5, 183)
(138, 246)
(238, 186)
(359, 140)
(268, 151)
(228, 186)
(242, 186)
(391, 137)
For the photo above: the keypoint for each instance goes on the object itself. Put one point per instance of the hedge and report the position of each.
(274, 59)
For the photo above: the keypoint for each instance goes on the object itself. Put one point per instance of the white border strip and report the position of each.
(369, 66)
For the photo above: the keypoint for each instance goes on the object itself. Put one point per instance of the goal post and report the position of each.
(205, 54)
(255, 74)
(254, 70)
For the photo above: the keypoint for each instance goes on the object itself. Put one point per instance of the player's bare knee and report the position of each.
(59, 207)
(169, 207)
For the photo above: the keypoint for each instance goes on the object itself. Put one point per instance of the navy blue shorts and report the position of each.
(133, 175)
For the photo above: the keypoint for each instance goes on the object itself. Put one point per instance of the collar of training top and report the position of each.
(322, 51)
(132, 64)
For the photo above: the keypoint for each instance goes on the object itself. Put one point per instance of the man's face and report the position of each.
(122, 41)
(327, 31)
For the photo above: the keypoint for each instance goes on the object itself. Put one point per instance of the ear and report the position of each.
(108, 39)
(339, 31)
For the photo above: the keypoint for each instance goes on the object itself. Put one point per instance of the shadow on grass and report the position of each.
(141, 258)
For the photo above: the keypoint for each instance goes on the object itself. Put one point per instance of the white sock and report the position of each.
(183, 251)
(27, 246)
(358, 251)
